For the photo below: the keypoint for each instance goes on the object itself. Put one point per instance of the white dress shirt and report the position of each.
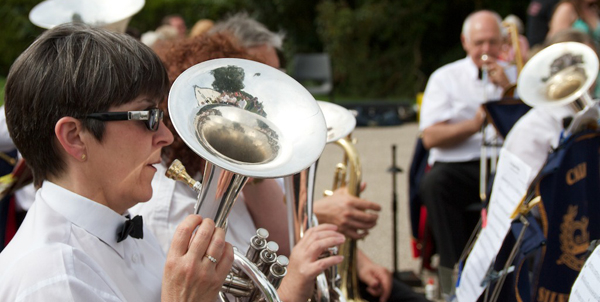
(172, 201)
(534, 134)
(66, 250)
(453, 94)
(6, 143)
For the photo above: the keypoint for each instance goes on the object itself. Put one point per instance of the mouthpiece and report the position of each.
(177, 172)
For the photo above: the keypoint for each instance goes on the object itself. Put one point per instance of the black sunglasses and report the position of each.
(151, 117)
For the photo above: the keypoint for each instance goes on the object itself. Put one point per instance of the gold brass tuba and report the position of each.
(242, 117)
(113, 15)
(340, 123)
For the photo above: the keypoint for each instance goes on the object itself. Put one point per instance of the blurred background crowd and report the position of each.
(399, 43)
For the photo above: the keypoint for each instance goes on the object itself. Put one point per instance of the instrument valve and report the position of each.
(258, 243)
(238, 286)
(278, 270)
(267, 256)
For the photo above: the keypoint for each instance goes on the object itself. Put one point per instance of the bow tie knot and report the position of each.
(133, 227)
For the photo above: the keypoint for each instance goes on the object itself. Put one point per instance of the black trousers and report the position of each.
(447, 190)
(400, 292)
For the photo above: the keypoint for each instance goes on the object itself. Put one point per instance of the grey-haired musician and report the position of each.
(450, 121)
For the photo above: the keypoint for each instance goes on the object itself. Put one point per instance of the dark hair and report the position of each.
(73, 70)
(179, 55)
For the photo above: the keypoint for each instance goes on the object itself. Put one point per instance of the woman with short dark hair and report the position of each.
(82, 107)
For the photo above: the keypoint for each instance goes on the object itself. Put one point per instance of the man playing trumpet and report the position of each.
(450, 121)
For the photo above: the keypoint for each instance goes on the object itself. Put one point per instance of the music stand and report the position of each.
(407, 277)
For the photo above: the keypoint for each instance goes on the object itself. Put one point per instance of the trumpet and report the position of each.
(246, 127)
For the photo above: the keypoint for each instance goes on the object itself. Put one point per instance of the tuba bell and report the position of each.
(242, 117)
(299, 196)
(113, 15)
(559, 74)
(348, 173)
(562, 74)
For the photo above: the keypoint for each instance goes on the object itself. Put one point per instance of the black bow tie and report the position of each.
(133, 227)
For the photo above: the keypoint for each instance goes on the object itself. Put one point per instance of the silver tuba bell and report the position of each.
(559, 74)
(245, 119)
(113, 15)
(299, 196)
(562, 74)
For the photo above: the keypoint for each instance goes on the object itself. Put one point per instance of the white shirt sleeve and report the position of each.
(436, 106)
(6, 143)
(534, 135)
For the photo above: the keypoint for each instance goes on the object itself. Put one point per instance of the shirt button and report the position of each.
(135, 258)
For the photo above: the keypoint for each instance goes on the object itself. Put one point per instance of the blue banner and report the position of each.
(569, 213)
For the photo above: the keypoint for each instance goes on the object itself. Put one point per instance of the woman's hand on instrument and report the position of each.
(306, 264)
(197, 262)
(377, 278)
(353, 215)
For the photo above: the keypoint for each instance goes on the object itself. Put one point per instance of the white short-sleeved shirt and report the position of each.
(6, 143)
(453, 94)
(66, 250)
(533, 136)
(172, 201)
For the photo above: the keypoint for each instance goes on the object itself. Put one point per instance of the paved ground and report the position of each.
(374, 145)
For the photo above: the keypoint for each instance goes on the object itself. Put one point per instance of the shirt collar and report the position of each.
(97, 219)
(472, 70)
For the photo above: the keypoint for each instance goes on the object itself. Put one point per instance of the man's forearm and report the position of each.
(444, 134)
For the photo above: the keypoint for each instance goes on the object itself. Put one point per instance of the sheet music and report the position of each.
(510, 185)
(586, 286)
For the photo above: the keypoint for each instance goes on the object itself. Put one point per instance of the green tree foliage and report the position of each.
(228, 79)
(17, 31)
(388, 48)
(379, 48)
(374, 45)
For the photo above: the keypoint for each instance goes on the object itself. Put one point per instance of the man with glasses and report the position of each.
(450, 121)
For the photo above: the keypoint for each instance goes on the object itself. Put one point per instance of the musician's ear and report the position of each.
(463, 41)
(69, 132)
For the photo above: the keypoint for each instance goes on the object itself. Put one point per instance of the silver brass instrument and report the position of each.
(243, 118)
(483, 173)
(299, 196)
(558, 75)
(340, 123)
(112, 15)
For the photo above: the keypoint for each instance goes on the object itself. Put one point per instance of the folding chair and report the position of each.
(313, 70)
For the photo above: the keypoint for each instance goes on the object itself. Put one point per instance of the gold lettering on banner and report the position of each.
(576, 174)
(546, 295)
(574, 239)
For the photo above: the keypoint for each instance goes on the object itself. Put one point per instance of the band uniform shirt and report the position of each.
(172, 201)
(534, 134)
(66, 250)
(454, 93)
